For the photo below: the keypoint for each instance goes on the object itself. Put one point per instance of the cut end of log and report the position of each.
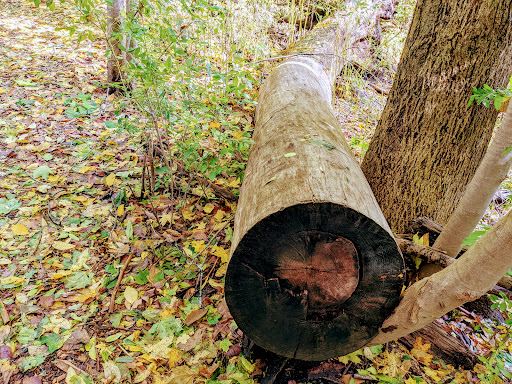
(314, 281)
(324, 271)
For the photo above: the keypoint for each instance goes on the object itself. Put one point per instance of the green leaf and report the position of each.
(52, 341)
(473, 238)
(225, 344)
(125, 359)
(25, 83)
(43, 171)
(290, 154)
(113, 337)
(26, 335)
(498, 100)
(506, 151)
(129, 230)
(6, 206)
(79, 280)
(116, 319)
(323, 144)
(30, 362)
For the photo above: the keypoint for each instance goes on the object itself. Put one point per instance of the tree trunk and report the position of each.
(314, 269)
(115, 62)
(428, 144)
(488, 177)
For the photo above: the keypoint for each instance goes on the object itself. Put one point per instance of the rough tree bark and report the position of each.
(314, 269)
(423, 154)
(491, 172)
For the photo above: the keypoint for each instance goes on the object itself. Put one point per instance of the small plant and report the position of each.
(498, 361)
(80, 106)
(487, 94)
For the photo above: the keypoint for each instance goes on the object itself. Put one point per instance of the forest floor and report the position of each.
(99, 285)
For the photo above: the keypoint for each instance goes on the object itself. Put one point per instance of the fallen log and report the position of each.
(450, 348)
(314, 268)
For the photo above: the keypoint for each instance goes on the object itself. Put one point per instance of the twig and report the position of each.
(118, 283)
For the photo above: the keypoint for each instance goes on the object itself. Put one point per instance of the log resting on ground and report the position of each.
(314, 268)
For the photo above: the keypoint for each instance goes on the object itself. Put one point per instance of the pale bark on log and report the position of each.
(489, 175)
(314, 267)
(466, 279)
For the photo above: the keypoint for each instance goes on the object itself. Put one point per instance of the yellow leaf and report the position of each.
(86, 295)
(110, 179)
(198, 245)
(62, 246)
(410, 380)
(19, 229)
(419, 352)
(60, 274)
(239, 135)
(120, 210)
(81, 261)
(130, 295)
(167, 313)
(188, 215)
(353, 357)
(69, 375)
(13, 280)
(160, 349)
(208, 208)
(235, 183)
(221, 253)
(222, 270)
(214, 124)
(86, 169)
(174, 357)
(168, 218)
(219, 215)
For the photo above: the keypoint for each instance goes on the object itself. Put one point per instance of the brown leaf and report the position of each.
(346, 379)
(195, 315)
(64, 365)
(5, 352)
(46, 301)
(77, 337)
(5, 315)
(32, 380)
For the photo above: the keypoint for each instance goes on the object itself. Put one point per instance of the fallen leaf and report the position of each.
(110, 179)
(62, 246)
(130, 295)
(195, 315)
(19, 229)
